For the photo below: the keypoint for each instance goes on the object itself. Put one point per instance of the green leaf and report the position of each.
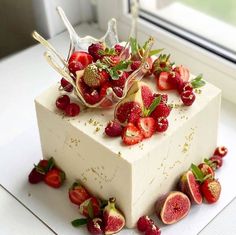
(197, 82)
(154, 52)
(79, 222)
(113, 73)
(153, 105)
(122, 65)
(90, 209)
(197, 173)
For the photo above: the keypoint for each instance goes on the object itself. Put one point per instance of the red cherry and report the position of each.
(66, 85)
(75, 66)
(144, 223)
(162, 124)
(118, 91)
(188, 97)
(113, 129)
(92, 98)
(62, 102)
(72, 110)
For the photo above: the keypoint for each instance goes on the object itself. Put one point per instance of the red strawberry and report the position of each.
(162, 82)
(184, 72)
(35, 176)
(55, 177)
(211, 190)
(78, 194)
(221, 151)
(147, 126)
(90, 207)
(206, 170)
(147, 96)
(80, 56)
(162, 110)
(135, 64)
(131, 134)
(95, 50)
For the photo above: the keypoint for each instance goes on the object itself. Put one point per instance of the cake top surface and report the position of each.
(92, 122)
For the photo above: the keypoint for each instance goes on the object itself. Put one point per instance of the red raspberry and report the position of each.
(187, 86)
(118, 48)
(162, 124)
(121, 81)
(217, 161)
(153, 230)
(135, 64)
(94, 50)
(72, 110)
(187, 97)
(66, 85)
(113, 129)
(75, 66)
(62, 102)
(162, 110)
(144, 223)
(221, 151)
(118, 91)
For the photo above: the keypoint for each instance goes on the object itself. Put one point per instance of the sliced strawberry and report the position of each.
(147, 96)
(162, 82)
(206, 169)
(81, 56)
(78, 194)
(131, 134)
(55, 177)
(184, 72)
(147, 126)
(90, 208)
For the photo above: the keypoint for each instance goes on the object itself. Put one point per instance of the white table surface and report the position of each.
(23, 208)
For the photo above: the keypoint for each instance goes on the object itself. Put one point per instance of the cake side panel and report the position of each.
(158, 171)
(102, 171)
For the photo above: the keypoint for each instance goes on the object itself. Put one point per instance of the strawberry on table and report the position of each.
(131, 134)
(90, 207)
(211, 190)
(147, 126)
(78, 193)
(163, 83)
(55, 177)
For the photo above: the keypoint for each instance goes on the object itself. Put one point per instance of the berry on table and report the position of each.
(188, 97)
(72, 110)
(131, 134)
(113, 129)
(66, 85)
(162, 124)
(147, 126)
(62, 102)
(95, 226)
(153, 230)
(221, 151)
(144, 222)
(55, 177)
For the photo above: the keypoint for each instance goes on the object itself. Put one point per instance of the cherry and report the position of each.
(75, 66)
(66, 85)
(72, 110)
(162, 124)
(92, 98)
(62, 102)
(118, 91)
(113, 129)
(188, 97)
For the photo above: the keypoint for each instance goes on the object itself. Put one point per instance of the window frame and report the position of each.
(215, 69)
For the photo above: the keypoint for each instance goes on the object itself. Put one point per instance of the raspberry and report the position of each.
(221, 151)
(144, 223)
(66, 85)
(135, 65)
(72, 110)
(92, 97)
(94, 50)
(113, 129)
(162, 124)
(118, 48)
(118, 91)
(187, 97)
(62, 102)
(162, 110)
(187, 86)
(153, 230)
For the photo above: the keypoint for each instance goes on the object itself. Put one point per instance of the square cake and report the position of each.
(136, 175)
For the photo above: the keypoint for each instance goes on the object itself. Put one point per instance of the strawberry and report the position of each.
(55, 177)
(35, 176)
(135, 65)
(147, 126)
(78, 193)
(162, 82)
(93, 77)
(211, 190)
(131, 134)
(206, 170)
(183, 71)
(147, 96)
(162, 110)
(80, 56)
(90, 207)
(161, 64)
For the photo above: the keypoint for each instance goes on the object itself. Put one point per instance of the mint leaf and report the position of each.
(79, 222)
(197, 173)
(90, 209)
(197, 82)
(122, 65)
(154, 52)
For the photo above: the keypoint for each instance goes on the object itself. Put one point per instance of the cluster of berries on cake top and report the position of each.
(194, 185)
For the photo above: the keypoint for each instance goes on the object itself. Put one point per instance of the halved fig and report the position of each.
(172, 207)
(190, 187)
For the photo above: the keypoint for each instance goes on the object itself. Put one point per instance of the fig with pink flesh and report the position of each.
(172, 207)
(190, 187)
(113, 219)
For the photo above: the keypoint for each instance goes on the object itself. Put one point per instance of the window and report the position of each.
(216, 60)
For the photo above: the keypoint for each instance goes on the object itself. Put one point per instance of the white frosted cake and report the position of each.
(136, 175)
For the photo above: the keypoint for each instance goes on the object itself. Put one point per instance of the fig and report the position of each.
(172, 207)
(113, 219)
(190, 187)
